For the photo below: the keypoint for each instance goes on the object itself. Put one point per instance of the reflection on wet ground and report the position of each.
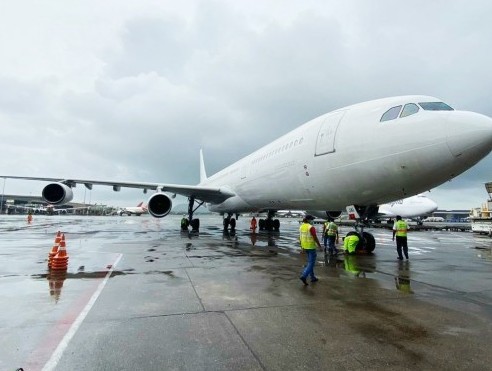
(222, 299)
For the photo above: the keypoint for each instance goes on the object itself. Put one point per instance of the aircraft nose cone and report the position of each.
(469, 134)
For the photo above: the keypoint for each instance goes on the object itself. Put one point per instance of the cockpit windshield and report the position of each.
(435, 106)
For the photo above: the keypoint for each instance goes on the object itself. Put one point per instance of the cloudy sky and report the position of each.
(131, 90)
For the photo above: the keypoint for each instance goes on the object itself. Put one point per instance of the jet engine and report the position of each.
(333, 214)
(159, 205)
(57, 194)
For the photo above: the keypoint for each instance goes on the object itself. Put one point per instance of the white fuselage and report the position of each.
(136, 210)
(349, 157)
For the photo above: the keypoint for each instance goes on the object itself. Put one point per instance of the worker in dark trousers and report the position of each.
(400, 229)
(330, 235)
(309, 242)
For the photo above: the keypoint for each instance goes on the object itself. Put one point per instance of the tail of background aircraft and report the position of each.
(203, 173)
(140, 204)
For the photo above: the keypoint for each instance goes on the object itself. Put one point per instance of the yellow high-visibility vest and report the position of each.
(350, 243)
(307, 240)
(401, 228)
(331, 229)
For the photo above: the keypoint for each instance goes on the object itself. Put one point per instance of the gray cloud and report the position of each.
(134, 94)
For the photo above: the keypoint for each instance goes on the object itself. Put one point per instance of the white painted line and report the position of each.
(57, 354)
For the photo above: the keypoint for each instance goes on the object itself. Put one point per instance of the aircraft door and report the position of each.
(325, 142)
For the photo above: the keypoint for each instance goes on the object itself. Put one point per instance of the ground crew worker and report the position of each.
(29, 216)
(350, 243)
(400, 229)
(184, 223)
(253, 225)
(309, 241)
(330, 234)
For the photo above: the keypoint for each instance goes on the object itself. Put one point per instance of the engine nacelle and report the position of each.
(333, 214)
(57, 194)
(159, 205)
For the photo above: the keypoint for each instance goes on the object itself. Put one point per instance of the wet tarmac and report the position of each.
(141, 295)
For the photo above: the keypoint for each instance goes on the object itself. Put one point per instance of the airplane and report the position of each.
(359, 156)
(289, 213)
(410, 207)
(434, 219)
(134, 210)
(48, 209)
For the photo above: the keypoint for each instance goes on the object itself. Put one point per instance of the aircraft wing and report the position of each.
(207, 194)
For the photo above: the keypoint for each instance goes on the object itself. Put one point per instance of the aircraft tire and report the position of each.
(261, 224)
(369, 242)
(195, 225)
(276, 225)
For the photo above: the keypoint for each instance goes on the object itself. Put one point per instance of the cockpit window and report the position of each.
(409, 109)
(391, 114)
(435, 106)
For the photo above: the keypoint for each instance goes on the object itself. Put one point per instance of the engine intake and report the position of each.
(57, 194)
(333, 214)
(159, 205)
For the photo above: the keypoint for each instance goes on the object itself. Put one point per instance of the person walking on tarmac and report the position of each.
(400, 229)
(253, 225)
(309, 242)
(330, 234)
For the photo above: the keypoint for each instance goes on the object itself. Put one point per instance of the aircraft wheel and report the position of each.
(195, 224)
(370, 242)
(276, 224)
(261, 224)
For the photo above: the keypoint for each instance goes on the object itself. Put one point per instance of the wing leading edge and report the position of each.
(207, 194)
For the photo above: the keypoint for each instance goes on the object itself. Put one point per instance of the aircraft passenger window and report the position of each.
(409, 109)
(391, 114)
(435, 106)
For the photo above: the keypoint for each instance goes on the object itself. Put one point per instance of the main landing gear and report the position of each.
(194, 223)
(230, 221)
(367, 243)
(269, 224)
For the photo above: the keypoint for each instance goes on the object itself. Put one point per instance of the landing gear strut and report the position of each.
(195, 223)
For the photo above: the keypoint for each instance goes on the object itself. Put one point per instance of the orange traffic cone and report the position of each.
(60, 260)
(54, 249)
